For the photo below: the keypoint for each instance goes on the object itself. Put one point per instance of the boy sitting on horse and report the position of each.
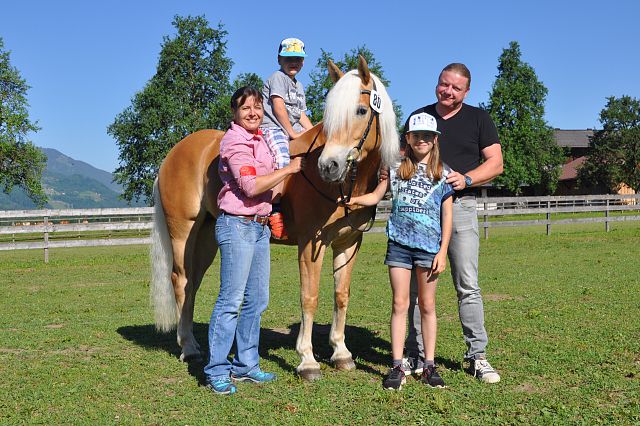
(284, 115)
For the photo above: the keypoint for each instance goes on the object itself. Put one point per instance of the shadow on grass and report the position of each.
(367, 348)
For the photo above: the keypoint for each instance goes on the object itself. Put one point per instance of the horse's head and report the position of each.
(358, 119)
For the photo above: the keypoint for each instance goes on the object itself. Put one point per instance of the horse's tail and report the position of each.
(161, 294)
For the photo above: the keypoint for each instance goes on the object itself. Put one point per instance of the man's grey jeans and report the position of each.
(463, 261)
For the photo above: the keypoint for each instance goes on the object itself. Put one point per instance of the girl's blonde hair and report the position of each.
(409, 164)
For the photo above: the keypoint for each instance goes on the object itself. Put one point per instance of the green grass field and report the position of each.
(78, 346)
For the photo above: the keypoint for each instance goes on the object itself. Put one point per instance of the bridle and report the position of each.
(352, 164)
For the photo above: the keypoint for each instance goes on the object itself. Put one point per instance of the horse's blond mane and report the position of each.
(340, 110)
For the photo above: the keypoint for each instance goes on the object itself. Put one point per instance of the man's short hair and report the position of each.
(460, 69)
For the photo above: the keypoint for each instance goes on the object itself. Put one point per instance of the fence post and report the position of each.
(606, 217)
(548, 215)
(46, 239)
(486, 221)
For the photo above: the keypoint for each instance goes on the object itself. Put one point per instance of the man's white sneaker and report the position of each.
(412, 365)
(483, 371)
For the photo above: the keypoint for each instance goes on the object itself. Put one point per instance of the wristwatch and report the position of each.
(468, 181)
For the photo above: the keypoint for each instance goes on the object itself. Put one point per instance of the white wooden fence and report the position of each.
(46, 229)
(611, 208)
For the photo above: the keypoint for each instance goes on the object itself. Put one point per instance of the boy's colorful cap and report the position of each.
(291, 47)
(423, 122)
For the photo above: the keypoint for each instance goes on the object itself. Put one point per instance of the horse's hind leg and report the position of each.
(197, 259)
(344, 256)
(180, 279)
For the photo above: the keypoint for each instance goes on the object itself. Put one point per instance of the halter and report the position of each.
(352, 163)
(352, 160)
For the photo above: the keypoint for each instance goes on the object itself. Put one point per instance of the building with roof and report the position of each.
(577, 144)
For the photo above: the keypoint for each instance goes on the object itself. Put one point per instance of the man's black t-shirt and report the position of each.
(463, 136)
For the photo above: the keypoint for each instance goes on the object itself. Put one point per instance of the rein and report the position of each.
(352, 166)
(306, 154)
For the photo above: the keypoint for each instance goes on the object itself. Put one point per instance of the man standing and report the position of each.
(469, 145)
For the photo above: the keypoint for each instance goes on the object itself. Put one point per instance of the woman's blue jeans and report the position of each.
(244, 295)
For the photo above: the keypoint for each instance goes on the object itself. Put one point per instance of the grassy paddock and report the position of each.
(77, 343)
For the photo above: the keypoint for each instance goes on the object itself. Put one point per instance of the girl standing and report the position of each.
(419, 230)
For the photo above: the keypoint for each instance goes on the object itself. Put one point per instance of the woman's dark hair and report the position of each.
(240, 96)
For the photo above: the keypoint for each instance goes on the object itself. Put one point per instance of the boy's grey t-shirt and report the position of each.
(291, 92)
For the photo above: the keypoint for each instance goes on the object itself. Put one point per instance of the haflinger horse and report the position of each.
(343, 155)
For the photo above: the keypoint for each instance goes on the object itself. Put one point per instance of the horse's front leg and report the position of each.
(310, 262)
(344, 256)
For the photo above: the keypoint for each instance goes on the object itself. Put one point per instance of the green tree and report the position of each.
(247, 79)
(189, 92)
(615, 150)
(321, 83)
(531, 156)
(21, 162)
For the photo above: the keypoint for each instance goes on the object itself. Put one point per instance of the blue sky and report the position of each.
(85, 60)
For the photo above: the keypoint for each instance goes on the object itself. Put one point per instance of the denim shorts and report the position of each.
(406, 257)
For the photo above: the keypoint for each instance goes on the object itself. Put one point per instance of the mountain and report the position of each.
(70, 183)
(60, 164)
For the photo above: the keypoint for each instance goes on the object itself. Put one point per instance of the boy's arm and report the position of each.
(372, 198)
(305, 122)
(280, 111)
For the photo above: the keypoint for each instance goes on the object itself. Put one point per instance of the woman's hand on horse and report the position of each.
(296, 164)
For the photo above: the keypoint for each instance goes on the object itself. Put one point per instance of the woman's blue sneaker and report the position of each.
(222, 386)
(257, 376)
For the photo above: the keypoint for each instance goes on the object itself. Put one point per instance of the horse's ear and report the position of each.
(334, 72)
(363, 70)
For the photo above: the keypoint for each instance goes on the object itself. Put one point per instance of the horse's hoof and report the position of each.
(310, 375)
(345, 364)
(191, 357)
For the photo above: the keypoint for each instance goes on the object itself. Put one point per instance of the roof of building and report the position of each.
(570, 169)
(573, 138)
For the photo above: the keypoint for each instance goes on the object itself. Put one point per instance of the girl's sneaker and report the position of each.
(395, 379)
(431, 377)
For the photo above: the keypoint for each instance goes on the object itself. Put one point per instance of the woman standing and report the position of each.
(247, 172)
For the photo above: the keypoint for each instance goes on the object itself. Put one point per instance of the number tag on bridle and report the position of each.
(375, 101)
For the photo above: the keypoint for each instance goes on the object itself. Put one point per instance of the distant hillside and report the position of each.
(70, 183)
(58, 163)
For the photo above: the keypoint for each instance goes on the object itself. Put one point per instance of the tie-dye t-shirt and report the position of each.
(415, 209)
